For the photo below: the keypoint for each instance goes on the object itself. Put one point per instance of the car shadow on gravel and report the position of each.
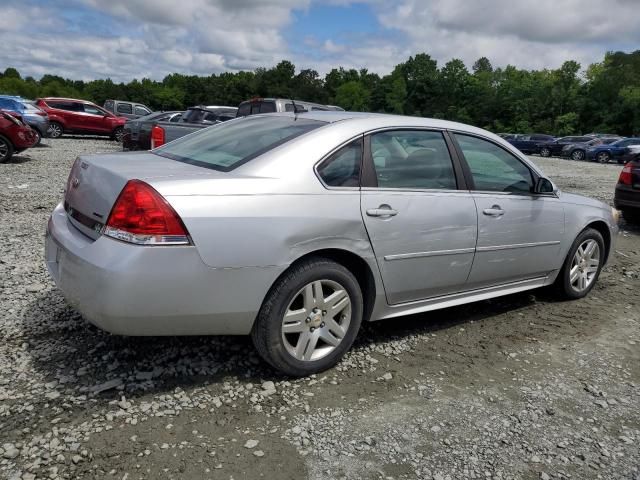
(64, 346)
(19, 158)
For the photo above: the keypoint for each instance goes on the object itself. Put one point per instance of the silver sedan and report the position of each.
(296, 228)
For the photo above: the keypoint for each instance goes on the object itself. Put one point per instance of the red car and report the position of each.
(67, 115)
(15, 136)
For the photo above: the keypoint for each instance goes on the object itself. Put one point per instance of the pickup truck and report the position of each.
(195, 118)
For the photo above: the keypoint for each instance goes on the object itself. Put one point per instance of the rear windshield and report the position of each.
(230, 144)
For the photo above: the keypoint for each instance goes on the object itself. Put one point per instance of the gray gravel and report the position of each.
(521, 387)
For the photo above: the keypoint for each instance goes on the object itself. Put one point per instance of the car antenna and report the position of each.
(295, 110)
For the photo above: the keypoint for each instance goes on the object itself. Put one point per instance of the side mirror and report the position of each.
(544, 185)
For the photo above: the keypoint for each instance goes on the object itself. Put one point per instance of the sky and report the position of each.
(126, 39)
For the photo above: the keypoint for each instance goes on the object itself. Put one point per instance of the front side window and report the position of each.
(412, 159)
(494, 169)
(342, 169)
(142, 111)
(230, 144)
(90, 109)
(125, 108)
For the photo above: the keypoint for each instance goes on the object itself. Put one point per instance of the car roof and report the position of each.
(382, 119)
(66, 99)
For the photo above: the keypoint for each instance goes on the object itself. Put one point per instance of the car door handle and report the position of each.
(382, 211)
(494, 211)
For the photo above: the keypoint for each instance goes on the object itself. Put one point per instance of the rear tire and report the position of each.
(582, 266)
(6, 149)
(545, 152)
(631, 215)
(55, 130)
(309, 318)
(577, 155)
(603, 157)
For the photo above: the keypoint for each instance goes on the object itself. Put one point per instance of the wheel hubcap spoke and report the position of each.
(316, 320)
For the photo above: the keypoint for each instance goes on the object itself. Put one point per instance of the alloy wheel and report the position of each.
(545, 152)
(577, 155)
(603, 157)
(316, 320)
(55, 130)
(584, 266)
(4, 149)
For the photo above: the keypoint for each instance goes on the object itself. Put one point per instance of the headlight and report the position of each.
(615, 213)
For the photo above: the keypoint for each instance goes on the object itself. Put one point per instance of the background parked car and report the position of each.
(195, 118)
(122, 108)
(627, 196)
(615, 150)
(32, 115)
(271, 105)
(137, 132)
(69, 115)
(529, 143)
(15, 136)
(577, 151)
(555, 147)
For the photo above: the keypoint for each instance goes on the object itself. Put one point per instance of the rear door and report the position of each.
(124, 110)
(519, 232)
(421, 226)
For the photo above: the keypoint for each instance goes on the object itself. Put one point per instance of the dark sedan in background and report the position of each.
(137, 132)
(627, 196)
(554, 148)
(530, 143)
(615, 150)
(578, 150)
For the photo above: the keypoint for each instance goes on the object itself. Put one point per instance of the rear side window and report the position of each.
(228, 145)
(267, 107)
(342, 168)
(109, 105)
(125, 108)
(412, 159)
(494, 169)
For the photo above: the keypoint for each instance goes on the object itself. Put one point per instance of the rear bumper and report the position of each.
(133, 290)
(626, 197)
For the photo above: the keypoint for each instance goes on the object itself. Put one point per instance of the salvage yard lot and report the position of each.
(521, 387)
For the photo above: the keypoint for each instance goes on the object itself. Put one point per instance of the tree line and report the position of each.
(603, 98)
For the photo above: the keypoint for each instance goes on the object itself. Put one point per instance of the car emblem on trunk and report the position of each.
(75, 182)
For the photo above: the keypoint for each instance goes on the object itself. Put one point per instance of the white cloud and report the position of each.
(151, 38)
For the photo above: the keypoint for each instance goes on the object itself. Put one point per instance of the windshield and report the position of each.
(230, 144)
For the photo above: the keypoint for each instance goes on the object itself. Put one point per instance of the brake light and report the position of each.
(142, 216)
(625, 175)
(157, 136)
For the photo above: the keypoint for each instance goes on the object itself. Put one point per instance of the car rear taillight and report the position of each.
(142, 216)
(157, 136)
(626, 175)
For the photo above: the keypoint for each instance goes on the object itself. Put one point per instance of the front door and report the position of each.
(519, 232)
(422, 228)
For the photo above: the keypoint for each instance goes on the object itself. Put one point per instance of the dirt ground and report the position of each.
(521, 387)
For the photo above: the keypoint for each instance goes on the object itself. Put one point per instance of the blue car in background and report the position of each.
(613, 151)
(33, 116)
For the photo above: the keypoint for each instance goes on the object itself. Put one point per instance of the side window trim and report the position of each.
(363, 146)
(467, 169)
(368, 175)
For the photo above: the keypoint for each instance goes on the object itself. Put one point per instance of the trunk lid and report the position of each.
(96, 181)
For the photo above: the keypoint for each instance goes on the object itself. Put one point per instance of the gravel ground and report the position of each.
(521, 387)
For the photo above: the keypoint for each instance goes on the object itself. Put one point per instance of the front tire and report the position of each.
(117, 134)
(6, 149)
(582, 266)
(310, 318)
(577, 155)
(603, 157)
